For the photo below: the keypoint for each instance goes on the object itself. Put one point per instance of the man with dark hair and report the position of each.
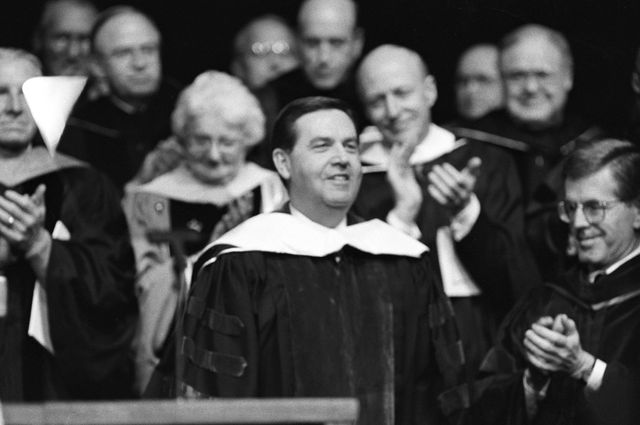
(311, 302)
(114, 133)
(538, 129)
(568, 352)
(67, 302)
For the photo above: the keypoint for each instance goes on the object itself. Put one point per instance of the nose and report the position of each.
(341, 156)
(77, 47)
(324, 52)
(15, 103)
(214, 151)
(391, 105)
(531, 83)
(139, 59)
(579, 219)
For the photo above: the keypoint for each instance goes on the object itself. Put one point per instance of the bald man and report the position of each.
(538, 129)
(263, 49)
(114, 133)
(478, 84)
(460, 197)
(330, 42)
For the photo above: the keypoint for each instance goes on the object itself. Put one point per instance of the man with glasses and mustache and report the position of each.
(568, 353)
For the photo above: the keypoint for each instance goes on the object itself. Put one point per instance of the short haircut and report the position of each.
(356, 14)
(108, 14)
(554, 37)
(622, 157)
(220, 95)
(13, 54)
(284, 135)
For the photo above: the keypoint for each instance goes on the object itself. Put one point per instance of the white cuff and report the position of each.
(463, 222)
(410, 229)
(594, 381)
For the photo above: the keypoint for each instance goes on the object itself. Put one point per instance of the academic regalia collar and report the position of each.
(437, 142)
(283, 233)
(179, 184)
(36, 161)
(620, 285)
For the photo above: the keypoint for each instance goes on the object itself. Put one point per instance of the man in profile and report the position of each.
(67, 302)
(478, 83)
(115, 133)
(311, 302)
(263, 49)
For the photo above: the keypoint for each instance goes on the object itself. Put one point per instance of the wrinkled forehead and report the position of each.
(14, 71)
(332, 124)
(532, 52)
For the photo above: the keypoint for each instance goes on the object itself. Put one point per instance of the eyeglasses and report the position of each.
(276, 48)
(593, 211)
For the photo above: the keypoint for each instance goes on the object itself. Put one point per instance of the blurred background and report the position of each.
(198, 33)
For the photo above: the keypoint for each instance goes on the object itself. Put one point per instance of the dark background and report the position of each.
(197, 35)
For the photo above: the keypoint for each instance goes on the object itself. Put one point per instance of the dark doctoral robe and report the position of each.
(538, 156)
(493, 253)
(284, 307)
(607, 316)
(89, 290)
(115, 140)
(172, 218)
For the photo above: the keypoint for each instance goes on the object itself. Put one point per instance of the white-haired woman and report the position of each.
(213, 188)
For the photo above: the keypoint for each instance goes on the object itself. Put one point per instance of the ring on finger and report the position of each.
(11, 220)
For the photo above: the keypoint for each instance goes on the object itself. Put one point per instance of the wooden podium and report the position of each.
(341, 411)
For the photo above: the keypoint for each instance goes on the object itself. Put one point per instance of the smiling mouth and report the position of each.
(340, 178)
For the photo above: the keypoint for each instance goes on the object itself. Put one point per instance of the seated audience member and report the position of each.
(115, 133)
(62, 37)
(329, 44)
(538, 129)
(478, 83)
(632, 127)
(67, 302)
(216, 121)
(311, 302)
(568, 352)
(460, 197)
(263, 49)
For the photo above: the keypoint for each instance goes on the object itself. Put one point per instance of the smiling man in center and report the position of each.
(312, 302)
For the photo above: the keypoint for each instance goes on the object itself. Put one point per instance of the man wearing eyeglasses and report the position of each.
(538, 128)
(568, 353)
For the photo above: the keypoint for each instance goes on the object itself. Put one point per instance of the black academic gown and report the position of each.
(115, 141)
(89, 288)
(538, 156)
(607, 316)
(494, 252)
(345, 324)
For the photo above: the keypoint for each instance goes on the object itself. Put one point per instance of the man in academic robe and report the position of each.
(460, 197)
(67, 306)
(538, 127)
(310, 302)
(114, 133)
(568, 353)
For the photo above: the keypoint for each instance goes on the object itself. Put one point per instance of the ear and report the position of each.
(635, 82)
(430, 90)
(282, 162)
(636, 220)
(358, 42)
(568, 82)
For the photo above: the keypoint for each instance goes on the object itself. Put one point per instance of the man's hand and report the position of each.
(406, 190)
(553, 345)
(22, 219)
(452, 188)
